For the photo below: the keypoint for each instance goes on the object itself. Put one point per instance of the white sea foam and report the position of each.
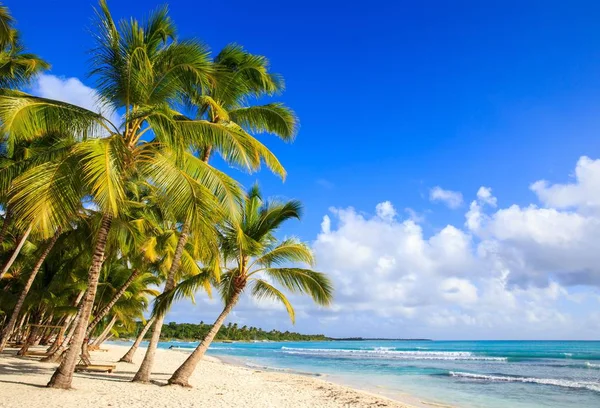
(397, 354)
(592, 365)
(593, 386)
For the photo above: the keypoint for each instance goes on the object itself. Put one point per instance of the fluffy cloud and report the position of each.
(582, 194)
(386, 211)
(453, 199)
(517, 271)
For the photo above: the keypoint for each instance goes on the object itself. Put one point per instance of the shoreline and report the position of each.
(408, 400)
(216, 383)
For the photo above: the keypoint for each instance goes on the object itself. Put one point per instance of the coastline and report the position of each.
(216, 383)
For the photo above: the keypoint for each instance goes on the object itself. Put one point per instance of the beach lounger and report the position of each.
(98, 368)
(86, 365)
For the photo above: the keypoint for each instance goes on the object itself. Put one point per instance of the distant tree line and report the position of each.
(190, 331)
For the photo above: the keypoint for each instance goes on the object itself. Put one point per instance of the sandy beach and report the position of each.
(215, 384)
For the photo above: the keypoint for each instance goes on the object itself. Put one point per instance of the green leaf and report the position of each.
(263, 290)
(298, 280)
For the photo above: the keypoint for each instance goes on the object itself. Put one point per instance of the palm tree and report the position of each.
(238, 77)
(255, 258)
(128, 357)
(16, 66)
(143, 70)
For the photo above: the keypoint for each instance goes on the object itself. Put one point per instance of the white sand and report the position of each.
(215, 384)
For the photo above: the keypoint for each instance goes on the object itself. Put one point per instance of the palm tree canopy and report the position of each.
(254, 258)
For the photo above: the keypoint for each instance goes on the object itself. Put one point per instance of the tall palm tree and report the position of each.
(238, 77)
(256, 259)
(141, 69)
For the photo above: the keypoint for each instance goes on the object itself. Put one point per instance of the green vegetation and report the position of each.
(231, 331)
(101, 208)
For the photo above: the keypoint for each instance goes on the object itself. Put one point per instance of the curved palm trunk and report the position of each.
(143, 374)
(108, 307)
(182, 375)
(5, 224)
(57, 341)
(128, 357)
(15, 314)
(15, 253)
(63, 376)
(105, 332)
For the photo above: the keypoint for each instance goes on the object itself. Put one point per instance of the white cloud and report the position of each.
(583, 193)
(386, 211)
(512, 272)
(453, 199)
(73, 91)
(484, 195)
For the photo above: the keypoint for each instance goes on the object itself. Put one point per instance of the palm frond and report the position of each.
(185, 288)
(103, 166)
(27, 117)
(47, 196)
(297, 280)
(273, 118)
(263, 290)
(288, 251)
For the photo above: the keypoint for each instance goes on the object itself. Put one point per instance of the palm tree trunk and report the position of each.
(19, 327)
(58, 353)
(128, 357)
(59, 345)
(15, 253)
(63, 376)
(143, 374)
(33, 330)
(105, 332)
(110, 304)
(15, 314)
(5, 224)
(182, 375)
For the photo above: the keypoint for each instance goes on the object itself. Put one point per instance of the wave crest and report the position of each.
(589, 385)
(390, 353)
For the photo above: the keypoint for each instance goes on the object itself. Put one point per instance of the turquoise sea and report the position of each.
(467, 374)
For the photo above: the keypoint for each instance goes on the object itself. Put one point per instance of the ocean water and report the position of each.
(468, 374)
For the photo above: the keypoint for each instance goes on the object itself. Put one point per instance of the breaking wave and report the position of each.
(390, 352)
(589, 385)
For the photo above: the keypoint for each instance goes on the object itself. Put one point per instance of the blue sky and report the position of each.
(395, 99)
